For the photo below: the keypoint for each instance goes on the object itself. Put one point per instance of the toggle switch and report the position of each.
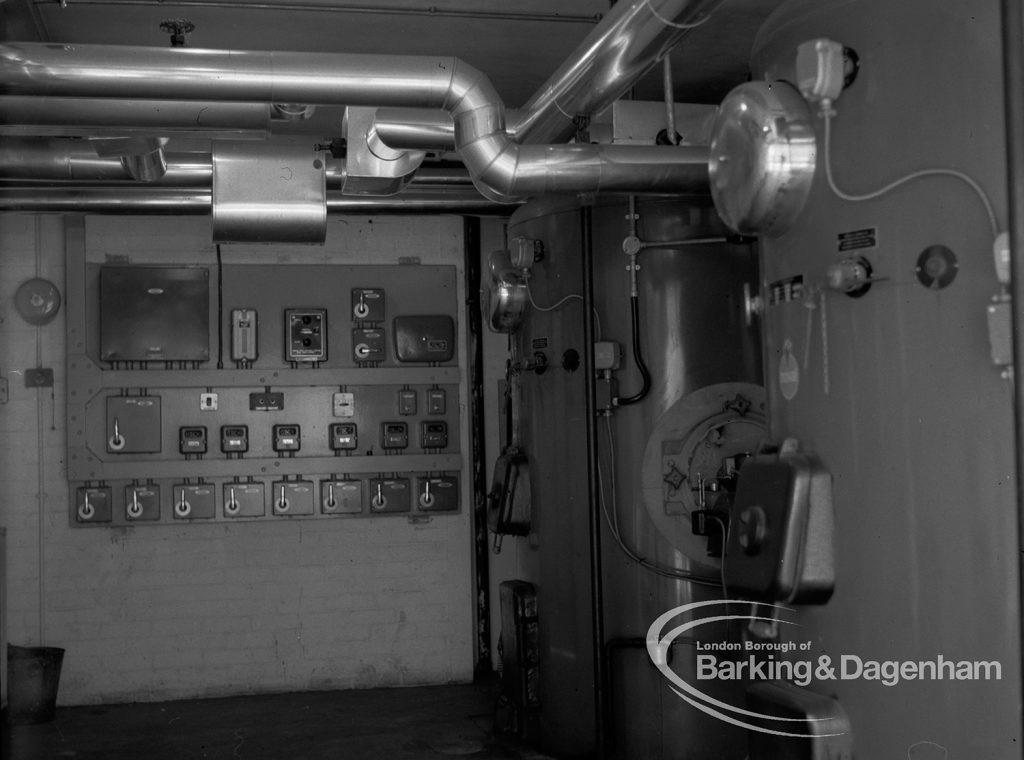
(368, 304)
(244, 500)
(341, 497)
(389, 495)
(93, 505)
(293, 497)
(437, 494)
(133, 425)
(368, 345)
(142, 502)
(193, 501)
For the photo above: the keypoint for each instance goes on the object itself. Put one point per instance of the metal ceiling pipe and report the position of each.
(415, 128)
(57, 116)
(499, 169)
(73, 160)
(148, 199)
(628, 42)
(249, 76)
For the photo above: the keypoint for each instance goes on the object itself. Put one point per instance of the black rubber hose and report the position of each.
(638, 359)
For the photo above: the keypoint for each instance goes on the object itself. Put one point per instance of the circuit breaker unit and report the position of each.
(306, 330)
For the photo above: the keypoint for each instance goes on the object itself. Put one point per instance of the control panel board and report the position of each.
(329, 391)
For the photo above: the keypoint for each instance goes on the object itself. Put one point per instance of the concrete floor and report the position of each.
(420, 723)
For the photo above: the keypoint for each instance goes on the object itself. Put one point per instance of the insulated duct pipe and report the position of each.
(147, 199)
(627, 43)
(26, 115)
(500, 170)
(66, 160)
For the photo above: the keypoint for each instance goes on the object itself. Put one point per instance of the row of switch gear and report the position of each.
(342, 436)
(348, 496)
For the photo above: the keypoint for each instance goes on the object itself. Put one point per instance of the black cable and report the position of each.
(638, 359)
(220, 310)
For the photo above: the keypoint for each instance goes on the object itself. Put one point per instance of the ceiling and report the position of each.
(518, 45)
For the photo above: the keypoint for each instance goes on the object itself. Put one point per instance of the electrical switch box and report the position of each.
(433, 434)
(437, 494)
(244, 500)
(394, 435)
(437, 401)
(234, 439)
(389, 495)
(287, 438)
(341, 497)
(428, 338)
(133, 424)
(344, 405)
(93, 505)
(243, 335)
(292, 497)
(780, 538)
(368, 345)
(407, 402)
(266, 401)
(368, 304)
(142, 503)
(194, 501)
(192, 439)
(305, 335)
(343, 436)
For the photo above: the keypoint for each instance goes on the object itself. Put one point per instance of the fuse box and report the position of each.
(287, 438)
(243, 335)
(344, 436)
(428, 338)
(407, 402)
(234, 439)
(306, 331)
(192, 439)
(394, 435)
(437, 401)
(433, 434)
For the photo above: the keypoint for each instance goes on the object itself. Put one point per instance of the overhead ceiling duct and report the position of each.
(56, 116)
(500, 169)
(198, 201)
(630, 40)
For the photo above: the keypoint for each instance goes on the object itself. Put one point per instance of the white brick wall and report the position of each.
(163, 612)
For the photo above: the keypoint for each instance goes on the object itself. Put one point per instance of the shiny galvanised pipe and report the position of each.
(627, 43)
(498, 166)
(161, 116)
(415, 128)
(250, 76)
(149, 199)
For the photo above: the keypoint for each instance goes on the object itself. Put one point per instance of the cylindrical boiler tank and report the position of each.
(693, 335)
(893, 385)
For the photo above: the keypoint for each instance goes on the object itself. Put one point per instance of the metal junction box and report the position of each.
(244, 500)
(93, 505)
(389, 495)
(437, 494)
(341, 497)
(780, 545)
(133, 424)
(142, 503)
(424, 339)
(194, 502)
(293, 497)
